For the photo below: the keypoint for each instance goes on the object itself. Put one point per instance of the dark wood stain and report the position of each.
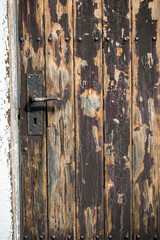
(117, 119)
(147, 80)
(93, 174)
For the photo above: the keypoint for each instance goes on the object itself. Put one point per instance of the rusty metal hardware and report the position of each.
(35, 98)
(35, 109)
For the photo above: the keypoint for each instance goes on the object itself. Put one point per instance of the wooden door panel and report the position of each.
(90, 163)
(60, 116)
(117, 118)
(89, 118)
(146, 53)
(33, 147)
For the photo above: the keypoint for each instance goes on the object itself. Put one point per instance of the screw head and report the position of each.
(154, 38)
(136, 39)
(137, 236)
(108, 39)
(110, 237)
(39, 39)
(79, 39)
(81, 237)
(96, 39)
(67, 39)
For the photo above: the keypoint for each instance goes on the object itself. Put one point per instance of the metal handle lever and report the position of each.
(34, 98)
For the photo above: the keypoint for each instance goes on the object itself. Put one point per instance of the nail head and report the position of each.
(138, 236)
(25, 149)
(39, 39)
(107, 39)
(50, 39)
(53, 237)
(21, 39)
(96, 39)
(67, 39)
(125, 39)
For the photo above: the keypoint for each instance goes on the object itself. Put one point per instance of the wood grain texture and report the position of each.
(60, 130)
(146, 53)
(33, 148)
(89, 109)
(117, 118)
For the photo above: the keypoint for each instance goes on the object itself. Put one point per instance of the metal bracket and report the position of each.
(35, 109)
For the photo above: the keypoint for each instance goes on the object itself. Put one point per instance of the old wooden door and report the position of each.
(90, 157)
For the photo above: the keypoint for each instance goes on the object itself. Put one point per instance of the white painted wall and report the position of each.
(9, 153)
(5, 180)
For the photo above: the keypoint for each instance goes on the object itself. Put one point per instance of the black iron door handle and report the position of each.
(34, 98)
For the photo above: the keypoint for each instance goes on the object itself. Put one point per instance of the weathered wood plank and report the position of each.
(89, 123)
(146, 125)
(117, 118)
(33, 148)
(60, 133)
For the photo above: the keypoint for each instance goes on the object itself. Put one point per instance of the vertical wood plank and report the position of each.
(117, 118)
(89, 123)
(146, 125)
(60, 133)
(33, 148)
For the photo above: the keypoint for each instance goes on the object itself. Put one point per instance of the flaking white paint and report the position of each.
(5, 179)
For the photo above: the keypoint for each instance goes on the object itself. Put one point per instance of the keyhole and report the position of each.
(35, 121)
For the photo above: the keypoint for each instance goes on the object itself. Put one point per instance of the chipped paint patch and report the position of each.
(96, 138)
(90, 102)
